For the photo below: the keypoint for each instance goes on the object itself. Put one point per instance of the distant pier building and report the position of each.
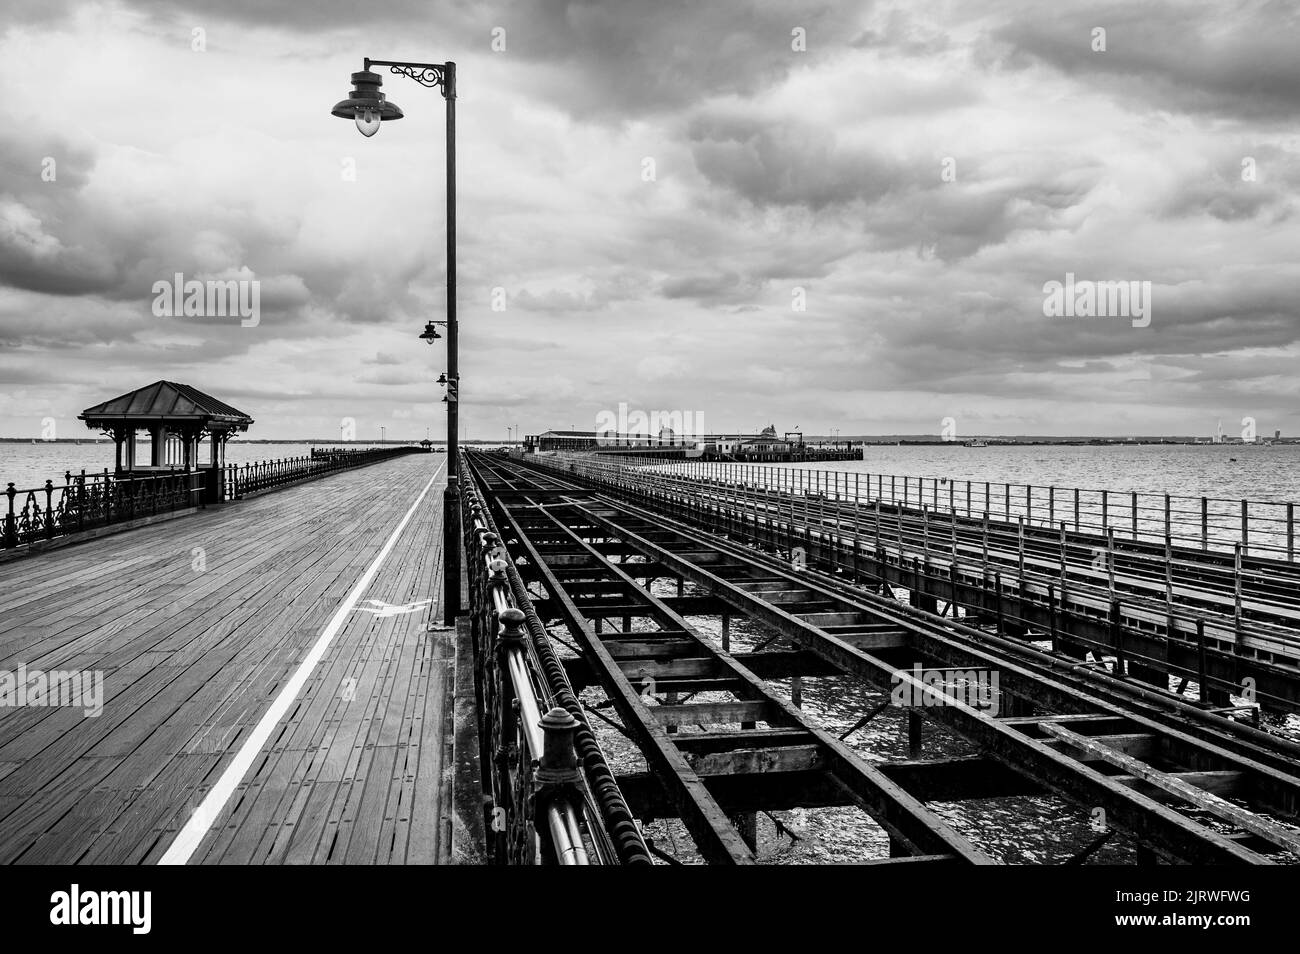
(765, 446)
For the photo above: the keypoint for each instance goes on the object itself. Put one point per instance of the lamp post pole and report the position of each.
(451, 496)
(369, 107)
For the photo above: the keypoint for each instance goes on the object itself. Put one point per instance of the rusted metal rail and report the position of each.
(595, 555)
(672, 657)
(547, 805)
(1246, 648)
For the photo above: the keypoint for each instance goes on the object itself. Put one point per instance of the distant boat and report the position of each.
(976, 443)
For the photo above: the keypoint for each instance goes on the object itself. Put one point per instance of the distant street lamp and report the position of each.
(368, 108)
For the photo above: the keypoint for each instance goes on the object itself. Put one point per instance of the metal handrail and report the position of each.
(87, 501)
(1263, 528)
(243, 479)
(527, 700)
(798, 503)
(562, 814)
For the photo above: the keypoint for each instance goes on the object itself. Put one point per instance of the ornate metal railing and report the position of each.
(362, 453)
(86, 501)
(241, 481)
(548, 805)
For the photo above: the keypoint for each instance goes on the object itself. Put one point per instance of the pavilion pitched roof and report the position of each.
(166, 402)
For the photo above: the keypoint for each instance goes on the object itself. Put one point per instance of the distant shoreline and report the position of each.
(103, 440)
(870, 441)
(1055, 441)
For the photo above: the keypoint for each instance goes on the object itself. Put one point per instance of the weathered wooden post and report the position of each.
(1020, 545)
(1051, 609)
(1245, 526)
(1290, 532)
(1236, 591)
(1117, 638)
(1169, 572)
(1110, 560)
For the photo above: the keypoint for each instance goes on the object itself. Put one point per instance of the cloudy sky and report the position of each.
(814, 214)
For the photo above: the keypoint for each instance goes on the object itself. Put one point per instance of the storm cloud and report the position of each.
(824, 214)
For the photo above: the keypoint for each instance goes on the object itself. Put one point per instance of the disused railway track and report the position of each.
(1155, 773)
(998, 578)
(678, 659)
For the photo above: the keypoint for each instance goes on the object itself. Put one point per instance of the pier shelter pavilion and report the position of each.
(177, 418)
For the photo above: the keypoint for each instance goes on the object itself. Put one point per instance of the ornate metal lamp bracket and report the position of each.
(426, 74)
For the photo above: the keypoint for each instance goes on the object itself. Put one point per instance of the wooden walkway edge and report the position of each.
(196, 625)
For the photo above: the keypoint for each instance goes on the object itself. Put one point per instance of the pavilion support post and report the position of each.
(219, 465)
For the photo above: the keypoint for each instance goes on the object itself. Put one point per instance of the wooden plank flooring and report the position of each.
(197, 624)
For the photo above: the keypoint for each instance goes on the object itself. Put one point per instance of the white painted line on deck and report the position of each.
(191, 836)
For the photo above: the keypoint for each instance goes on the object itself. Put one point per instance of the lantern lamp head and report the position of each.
(366, 104)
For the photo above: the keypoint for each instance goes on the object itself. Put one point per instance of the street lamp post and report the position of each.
(368, 107)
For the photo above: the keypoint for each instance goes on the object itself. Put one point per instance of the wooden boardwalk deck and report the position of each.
(198, 625)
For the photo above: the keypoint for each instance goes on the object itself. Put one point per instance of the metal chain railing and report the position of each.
(517, 674)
